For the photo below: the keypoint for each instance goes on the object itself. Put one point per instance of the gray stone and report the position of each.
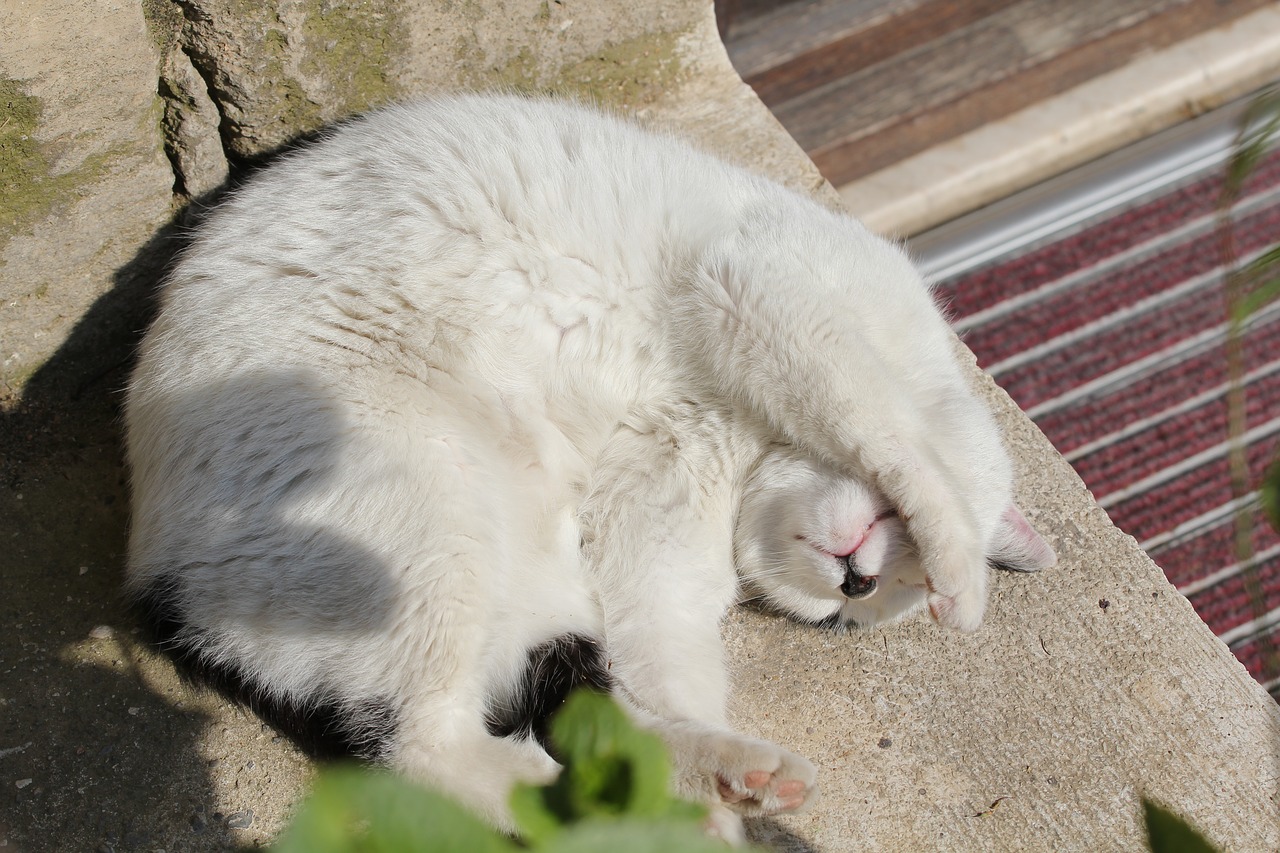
(92, 185)
(192, 123)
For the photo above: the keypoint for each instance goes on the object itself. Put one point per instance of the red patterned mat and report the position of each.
(1111, 339)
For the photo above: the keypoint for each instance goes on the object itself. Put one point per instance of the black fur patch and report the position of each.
(322, 728)
(552, 671)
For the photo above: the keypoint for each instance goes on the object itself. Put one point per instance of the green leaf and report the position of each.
(1256, 299)
(1269, 492)
(612, 769)
(612, 795)
(1262, 278)
(1258, 129)
(537, 820)
(612, 766)
(1168, 833)
(1263, 264)
(351, 810)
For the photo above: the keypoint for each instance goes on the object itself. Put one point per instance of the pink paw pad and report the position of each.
(789, 794)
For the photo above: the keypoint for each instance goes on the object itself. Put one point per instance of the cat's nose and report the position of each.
(856, 584)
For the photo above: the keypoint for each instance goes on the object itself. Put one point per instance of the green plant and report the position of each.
(1248, 288)
(1168, 833)
(613, 795)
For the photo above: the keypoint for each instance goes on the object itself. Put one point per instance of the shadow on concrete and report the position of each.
(776, 837)
(112, 757)
(92, 757)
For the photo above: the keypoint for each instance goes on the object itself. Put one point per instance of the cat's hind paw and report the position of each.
(759, 778)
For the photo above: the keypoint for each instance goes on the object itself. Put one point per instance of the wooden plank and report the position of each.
(762, 41)
(978, 73)
(802, 46)
(909, 83)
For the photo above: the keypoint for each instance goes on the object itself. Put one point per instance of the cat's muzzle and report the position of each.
(857, 585)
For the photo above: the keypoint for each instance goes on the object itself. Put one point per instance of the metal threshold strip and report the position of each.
(1072, 199)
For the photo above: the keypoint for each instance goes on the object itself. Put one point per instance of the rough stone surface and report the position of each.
(94, 183)
(276, 69)
(1036, 733)
(191, 128)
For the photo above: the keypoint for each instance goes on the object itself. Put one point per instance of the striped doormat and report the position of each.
(1111, 338)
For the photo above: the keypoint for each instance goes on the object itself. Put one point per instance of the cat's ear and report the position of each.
(1018, 547)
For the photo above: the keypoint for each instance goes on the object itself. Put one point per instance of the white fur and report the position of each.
(478, 372)
(798, 522)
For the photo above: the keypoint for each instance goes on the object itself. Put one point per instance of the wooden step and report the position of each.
(862, 84)
(792, 48)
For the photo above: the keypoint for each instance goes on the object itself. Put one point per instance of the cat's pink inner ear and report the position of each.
(1018, 546)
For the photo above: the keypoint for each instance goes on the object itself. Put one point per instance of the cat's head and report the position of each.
(827, 549)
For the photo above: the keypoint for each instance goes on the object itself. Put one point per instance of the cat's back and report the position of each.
(426, 180)
(431, 220)
(486, 264)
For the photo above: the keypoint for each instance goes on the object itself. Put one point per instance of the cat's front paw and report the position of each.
(755, 777)
(957, 590)
(962, 611)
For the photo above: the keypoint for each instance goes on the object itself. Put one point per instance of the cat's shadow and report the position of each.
(771, 834)
(95, 757)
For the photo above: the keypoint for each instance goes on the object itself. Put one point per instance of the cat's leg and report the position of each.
(835, 376)
(658, 533)
(659, 550)
(446, 676)
(471, 766)
(450, 521)
(442, 739)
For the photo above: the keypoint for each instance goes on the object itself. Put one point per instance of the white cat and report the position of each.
(483, 398)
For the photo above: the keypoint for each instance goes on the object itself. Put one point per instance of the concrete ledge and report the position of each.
(1089, 684)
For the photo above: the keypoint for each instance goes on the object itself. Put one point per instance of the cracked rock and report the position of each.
(191, 126)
